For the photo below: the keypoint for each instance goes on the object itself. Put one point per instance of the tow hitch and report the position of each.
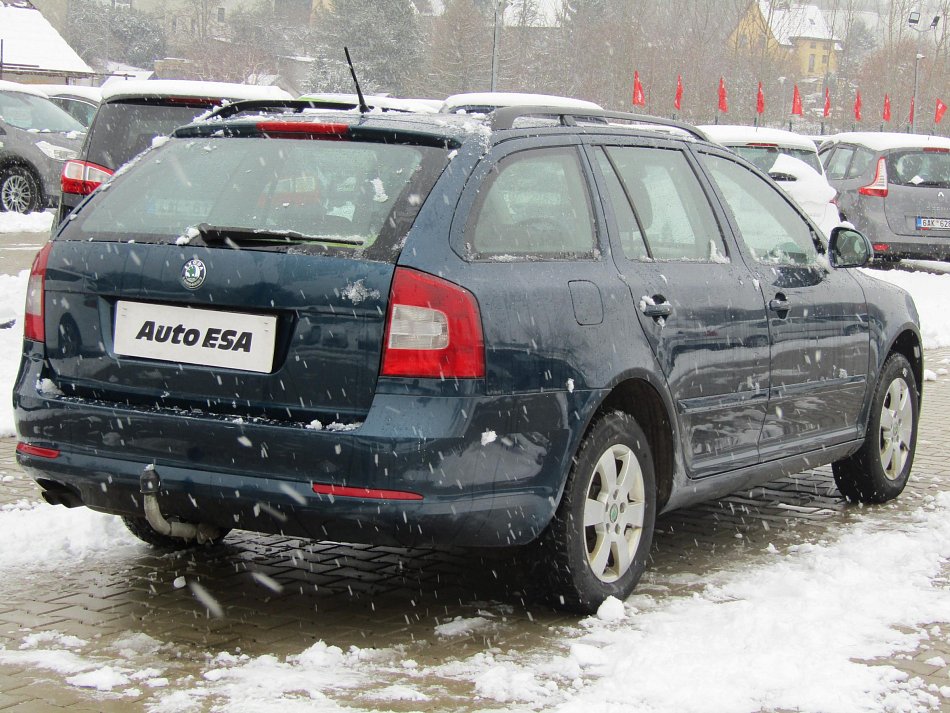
(149, 485)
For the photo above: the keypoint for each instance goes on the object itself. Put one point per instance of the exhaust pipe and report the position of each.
(149, 485)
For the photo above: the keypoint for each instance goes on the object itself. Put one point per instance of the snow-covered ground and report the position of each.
(26, 223)
(793, 632)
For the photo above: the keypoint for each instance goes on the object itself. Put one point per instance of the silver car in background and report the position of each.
(895, 188)
(36, 138)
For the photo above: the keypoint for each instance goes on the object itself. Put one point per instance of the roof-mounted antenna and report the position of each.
(364, 108)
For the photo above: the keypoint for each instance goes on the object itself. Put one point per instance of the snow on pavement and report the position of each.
(39, 222)
(793, 629)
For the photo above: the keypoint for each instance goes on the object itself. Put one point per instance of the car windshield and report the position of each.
(33, 113)
(764, 156)
(919, 168)
(264, 192)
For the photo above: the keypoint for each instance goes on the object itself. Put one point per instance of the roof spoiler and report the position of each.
(505, 117)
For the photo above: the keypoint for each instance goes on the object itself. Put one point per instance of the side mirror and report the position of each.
(849, 248)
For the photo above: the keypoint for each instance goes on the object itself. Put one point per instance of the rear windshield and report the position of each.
(345, 195)
(121, 130)
(33, 113)
(927, 168)
(764, 156)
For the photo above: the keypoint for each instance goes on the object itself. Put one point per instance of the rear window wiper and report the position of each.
(224, 233)
(928, 184)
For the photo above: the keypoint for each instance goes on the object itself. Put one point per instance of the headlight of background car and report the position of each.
(55, 152)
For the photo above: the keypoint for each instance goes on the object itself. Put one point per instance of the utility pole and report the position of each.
(496, 41)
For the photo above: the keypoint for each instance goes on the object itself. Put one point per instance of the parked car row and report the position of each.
(537, 328)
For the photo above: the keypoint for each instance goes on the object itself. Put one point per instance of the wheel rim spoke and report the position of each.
(887, 418)
(632, 516)
(595, 513)
(598, 558)
(623, 555)
(607, 470)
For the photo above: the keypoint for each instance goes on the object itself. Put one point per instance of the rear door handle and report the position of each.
(780, 304)
(664, 309)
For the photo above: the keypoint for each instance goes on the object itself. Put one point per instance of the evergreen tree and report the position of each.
(385, 41)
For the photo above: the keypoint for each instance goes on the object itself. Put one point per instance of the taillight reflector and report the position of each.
(881, 247)
(344, 491)
(34, 327)
(433, 329)
(82, 178)
(296, 129)
(878, 187)
(28, 450)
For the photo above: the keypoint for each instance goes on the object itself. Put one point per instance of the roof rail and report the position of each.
(505, 117)
(295, 106)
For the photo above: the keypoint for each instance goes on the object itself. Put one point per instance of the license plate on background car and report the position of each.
(207, 337)
(933, 223)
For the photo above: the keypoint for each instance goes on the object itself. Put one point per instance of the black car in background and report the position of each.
(133, 113)
(533, 329)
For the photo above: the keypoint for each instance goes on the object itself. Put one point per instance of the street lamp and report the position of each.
(496, 40)
(913, 22)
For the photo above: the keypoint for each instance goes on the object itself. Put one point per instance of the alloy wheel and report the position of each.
(897, 428)
(613, 513)
(16, 194)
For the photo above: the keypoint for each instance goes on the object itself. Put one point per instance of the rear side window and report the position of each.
(536, 203)
(928, 168)
(772, 230)
(861, 162)
(360, 193)
(121, 130)
(671, 207)
(836, 165)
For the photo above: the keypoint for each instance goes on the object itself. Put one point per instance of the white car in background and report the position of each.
(792, 162)
(487, 102)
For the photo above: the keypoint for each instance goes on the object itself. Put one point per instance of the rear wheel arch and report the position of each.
(641, 400)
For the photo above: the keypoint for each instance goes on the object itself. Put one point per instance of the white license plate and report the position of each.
(232, 340)
(933, 223)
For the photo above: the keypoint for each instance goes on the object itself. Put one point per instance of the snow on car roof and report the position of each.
(60, 90)
(733, 134)
(374, 102)
(188, 88)
(6, 86)
(500, 99)
(884, 141)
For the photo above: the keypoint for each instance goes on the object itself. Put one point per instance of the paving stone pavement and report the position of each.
(281, 595)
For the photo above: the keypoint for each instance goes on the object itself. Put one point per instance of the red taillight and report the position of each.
(298, 129)
(936, 150)
(33, 326)
(881, 247)
(28, 450)
(433, 329)
(878, 187)
(82, 178)
(344, 491)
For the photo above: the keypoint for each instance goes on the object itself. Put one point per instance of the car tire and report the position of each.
(599, 540)
(19, 190)
(141, 528)
(879, 470)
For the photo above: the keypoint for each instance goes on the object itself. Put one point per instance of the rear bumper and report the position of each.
(477, 490)
(902, 247)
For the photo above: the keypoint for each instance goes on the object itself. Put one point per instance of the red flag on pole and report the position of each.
(797, 102)
(678, 99)
(857, 106)
(638, 99)
(827, 111)
(941, 110)
(760, 101)
(910, 119)
(723, 104)
(887, 108)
